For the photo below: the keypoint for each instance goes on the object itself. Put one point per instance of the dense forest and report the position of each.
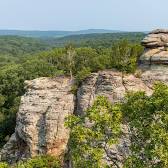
(14, 49)
(96, 40)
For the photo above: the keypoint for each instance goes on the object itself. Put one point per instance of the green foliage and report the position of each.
(92, 133)
(3, 165)
(17, 64)
(148, 121)
(105, 40)
(124, 55)
(76, 62)
(14, 48)
(99, 128)
(82, 74)
(11, 87)
(45, 161)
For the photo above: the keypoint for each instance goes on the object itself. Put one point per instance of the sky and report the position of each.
(128, 15)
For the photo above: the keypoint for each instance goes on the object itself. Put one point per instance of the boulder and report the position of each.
(157, 31)
(156, 48)
(155, 40)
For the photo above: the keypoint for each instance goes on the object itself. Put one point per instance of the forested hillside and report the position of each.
(13, 48)
(96, 40)
(79, 56)
(16, 48)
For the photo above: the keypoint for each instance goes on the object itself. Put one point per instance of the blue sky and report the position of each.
(130, 15)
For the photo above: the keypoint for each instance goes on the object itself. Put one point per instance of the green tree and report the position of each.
(148, 122)
(44, 161)
(3, 165)
(124, 55)
(12, 79)
(76, 62)
(93, 133)
(70, 54)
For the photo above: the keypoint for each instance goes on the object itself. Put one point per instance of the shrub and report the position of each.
(92, 133)
(45, 161)
(4, 165)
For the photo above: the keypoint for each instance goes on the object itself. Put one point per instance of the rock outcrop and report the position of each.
(156, 47)
(44, 107)
(114, 85)
(40, 120)
(110, 83)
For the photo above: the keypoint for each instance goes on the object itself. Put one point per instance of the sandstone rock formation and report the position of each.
(40, 120)
(111, 83)
(156, 47)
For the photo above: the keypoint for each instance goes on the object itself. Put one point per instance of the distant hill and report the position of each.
(48, 34)
(95, 39)
(17, 48)
(14, 48)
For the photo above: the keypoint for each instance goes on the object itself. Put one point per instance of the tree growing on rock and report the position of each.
(148, 122)
(100, 127)
(93, 133)
(70, 55)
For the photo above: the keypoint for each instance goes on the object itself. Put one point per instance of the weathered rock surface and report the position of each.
(112, 84)
(156, 47)
(40, 120)
(106, 83)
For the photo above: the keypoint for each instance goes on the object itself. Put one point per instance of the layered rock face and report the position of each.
(156, 47)
(40, 120)
(112, 84)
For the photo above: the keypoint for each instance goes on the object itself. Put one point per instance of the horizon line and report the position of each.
(64, 30)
